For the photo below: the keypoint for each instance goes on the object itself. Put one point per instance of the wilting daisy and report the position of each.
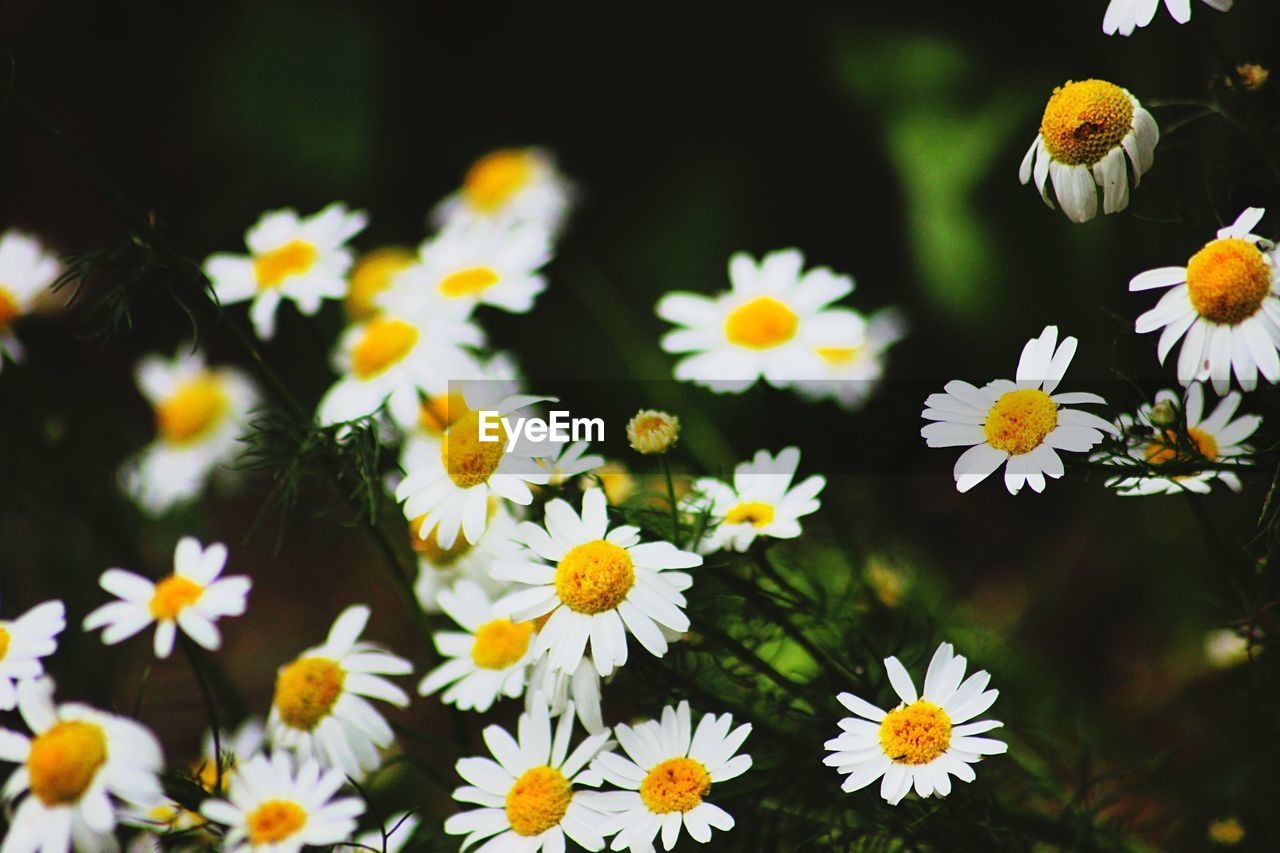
(193, 598)
(396, 831)
(201, 413)
(514, 185)
(23, 643)
(1021, 425)
(75, 766)
(302, 259)
(1124, 16)
(570, 460)
(1225, 302)
(1088, 129)
(668, 772)
(853, 366)
(27, 272)
(321, 708)
(372, 275)
(924, 740)
(527, 791)
(761, 501)
(440, 568)
(604, 584)
(272, 808)
(769, 324)
(565, 692)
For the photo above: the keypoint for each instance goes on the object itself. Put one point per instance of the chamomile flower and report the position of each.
(201, 413)
(273, 808)
(1124, 16)
(193, 598)
(321, 708)
(396, 831)
(76, 769)
(440, 568)
(570, 460)
(667, 773)
(1021, 425)
(565, 692)
(302, 259)
(528, 792)
(372, 275)
(1226, 301)
(513, 185)
(236, 748)
(922, 742)
(489, 658)
(24, 642)
(27, 272)
(603, 585)
(853, 367)
(769, 324)
(1088, 130)
(761, 502)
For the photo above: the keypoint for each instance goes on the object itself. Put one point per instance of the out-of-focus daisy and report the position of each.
(272, 808)
(396, 831)
(527, 791)
(924, 740)
(27, 272)
(237, 748)
(372, 275)
(74, 768)
(193, 598)
(321, 708)
(761, 501)
(1227, 647)
(1226, 301)
(512, 185)
(852, 366)
(668, 772)
(603, 585)
(201, 413)
(23, 643)
(1226, 832)
(439, 568)
(1124, 16)
(1021, 425)
(1088, 130)
(565, 692)
(617, 482)
(769, 324)
(302, 259)
(570, 460)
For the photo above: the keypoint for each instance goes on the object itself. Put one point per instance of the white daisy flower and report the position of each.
(440, 568)
(193, 598)
(604, 584)
(1021, 425)
(201, 414)
(769, 324)
(761, 502)
(527, 791)
(396, 831)
(1088, 129)
(853, 367)
(272, 808)
(565, 692)
(302, 259)
(321, 708)
(75, 766)
(1225, 301)
(570, 460)
(1124, 16)
(514, 185)
(924, 740)
(27, 272)
(372, 276)
(668, 772)
(23, 643)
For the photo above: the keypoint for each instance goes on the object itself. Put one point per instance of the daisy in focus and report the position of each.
(854, 367)
(667, 773)
(23, 643)
(27, 272)
(193, 598)
(1021, 425)
(1091, 132)
(925, 740)
(509, 186)
(321, 708)
(769, 324)
(1224, 301)
(440, 568)
(1124, 16)
(301, 259)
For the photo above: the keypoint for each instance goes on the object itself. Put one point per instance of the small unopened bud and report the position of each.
(1252, 76)
(1163, 414)
(651, 431)
(1226, 832)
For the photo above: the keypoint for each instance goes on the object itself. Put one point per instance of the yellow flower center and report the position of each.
(429, 548)
(469, 460)
(206, 772)
(750, 512)
(63, 761)
(1158, 453)
(307, 690)
(839, 356)
(652, 431)
(1084, 121)
(372, 275)
(274, 821)
(675, 785)
(501, 643)
(271, 269)
(9, 310)
(538, 801)
(762, 323)
(440, 412)
(468, 282)
(916, 734)
(385, 342)
(1020, 420)
(595, 577)
(192, 411)
(173, 595)
(5, 637)
(495, 178)
(1227, 281)
(1227, 832)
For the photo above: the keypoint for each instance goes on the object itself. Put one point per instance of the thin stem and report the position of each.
(753, 660)
(142, 690)
(210, 708)
(671, 499)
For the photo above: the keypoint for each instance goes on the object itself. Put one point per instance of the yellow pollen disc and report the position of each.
(468, 282)
(839, 356)
(385, 341)
(750, 512)
(595, 577)
(675, 785)
(916, 734)
(8, 308)
(372, 275)
(4, 641)
(1227, 281)
(64, 760)
(307, 690)
(429, 548)
(501, 643)
(495, 178)
(274, 821)
(173, 595)
(192, 411)
(469, 460)
(762, 323)
(1020, 420)
(271, 269)
(1084, 121)
(538, 801)
(1159, 453)
(440, 412)
(206, 771)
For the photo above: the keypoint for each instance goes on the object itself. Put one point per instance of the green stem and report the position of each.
(210, 708)
(671, 499)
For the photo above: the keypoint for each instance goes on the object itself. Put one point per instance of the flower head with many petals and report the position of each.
(510, 186)
(761, 502)
(24, 643)
(1125, 16)
(27, 271)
